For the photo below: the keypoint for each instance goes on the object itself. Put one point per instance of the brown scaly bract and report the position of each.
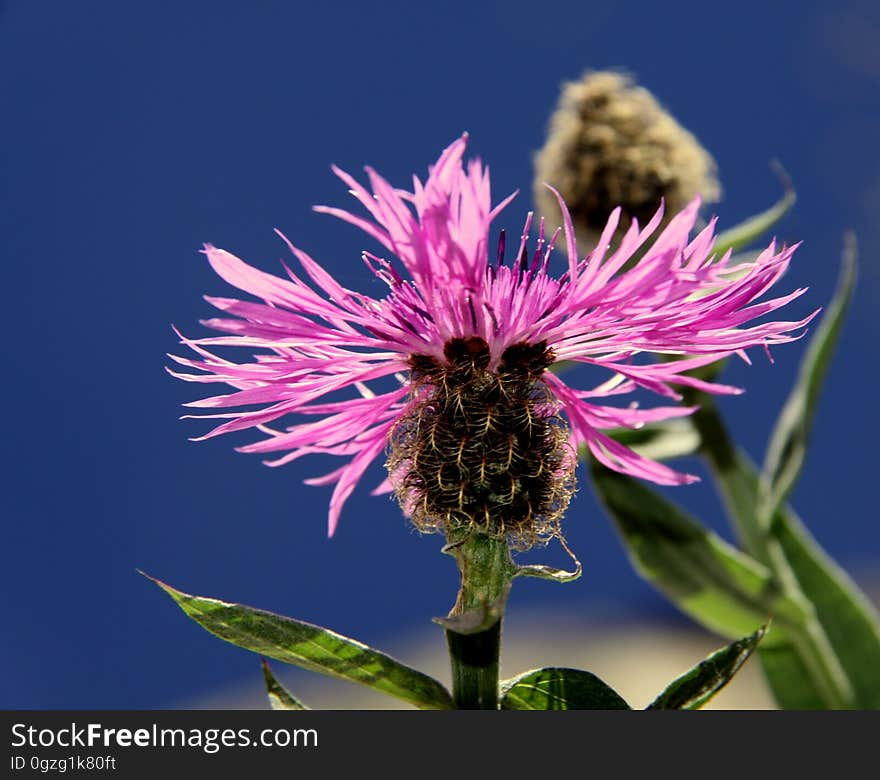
(483, 450)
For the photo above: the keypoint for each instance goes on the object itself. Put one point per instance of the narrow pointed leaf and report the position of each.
(845, 627)
(311, 647)
(694, 688)
(750, 230)
(556, 688)
(709, 579)
(788, 443)
(279, 697)
(839, 645)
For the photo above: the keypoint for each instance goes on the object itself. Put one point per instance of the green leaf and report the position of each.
(726, 462)
(847, 618)
(561, 366)
(279, 697)
(838, 644)
(311, 647)
(709, 579)
(788, 443)
(746, 232)
(555, 688)
(694, 688)
(738, 267)
(789, 677)
(658, 441)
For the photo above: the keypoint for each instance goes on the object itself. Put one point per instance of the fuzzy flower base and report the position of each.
(316, 339)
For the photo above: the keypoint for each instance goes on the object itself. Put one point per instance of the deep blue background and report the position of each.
(133, 132)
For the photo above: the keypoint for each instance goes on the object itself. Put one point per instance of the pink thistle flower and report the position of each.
(452, 319)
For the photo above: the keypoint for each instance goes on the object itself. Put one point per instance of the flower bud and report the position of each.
(610, 144)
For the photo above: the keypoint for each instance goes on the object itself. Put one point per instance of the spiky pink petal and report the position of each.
(319, 346)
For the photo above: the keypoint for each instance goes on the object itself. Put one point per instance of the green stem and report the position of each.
(486, 572)
(475, 660)
(719, 450)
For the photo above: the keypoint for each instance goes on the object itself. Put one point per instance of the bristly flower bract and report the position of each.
(479, 434)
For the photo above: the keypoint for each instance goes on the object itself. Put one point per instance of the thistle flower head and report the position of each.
(478, 433)
(610, 144)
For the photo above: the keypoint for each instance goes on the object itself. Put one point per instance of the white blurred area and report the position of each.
(638, 660)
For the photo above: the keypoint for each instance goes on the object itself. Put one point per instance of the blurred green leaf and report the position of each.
(311, 647)
(750, 230)
(709, 579)
(555, 688)
(847, 618)
(838, 644)
(829, 658)
(674, 438)
(694, 688)
(789, 677)
(788, 443)
(279, 697)
(739, 266)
